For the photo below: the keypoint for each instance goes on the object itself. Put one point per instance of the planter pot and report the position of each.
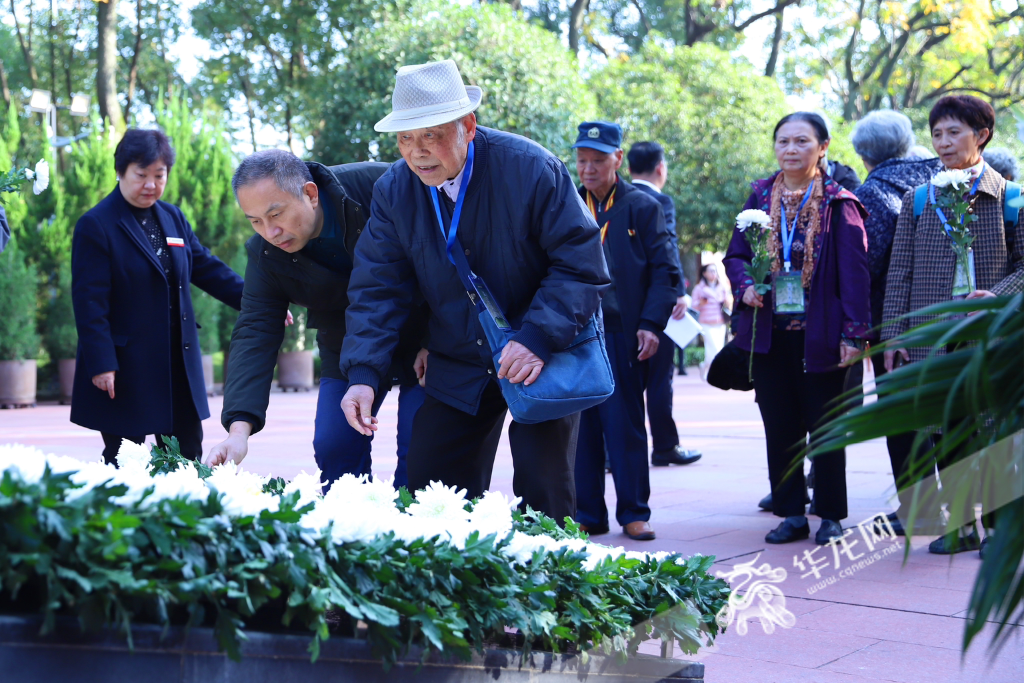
(192, 657)
(208, 373)
(17, 383)
(295, 370)
(66, 367)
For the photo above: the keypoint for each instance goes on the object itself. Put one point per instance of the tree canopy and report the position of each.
(529, 81)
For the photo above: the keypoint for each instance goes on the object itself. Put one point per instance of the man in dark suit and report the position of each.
(649, 172)
(645, 282)
(139, 369)
(308, 218)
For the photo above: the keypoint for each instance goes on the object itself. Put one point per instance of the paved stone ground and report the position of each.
(891, 621)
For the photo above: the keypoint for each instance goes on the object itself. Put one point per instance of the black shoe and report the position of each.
(682, 371)
(766, 503)
(596, 530)
(787, 533)
(955, 542)
(827, 531)
(675, 456)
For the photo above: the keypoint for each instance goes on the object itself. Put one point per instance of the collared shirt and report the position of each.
(637, 181)
(451, 187)
(328, 248)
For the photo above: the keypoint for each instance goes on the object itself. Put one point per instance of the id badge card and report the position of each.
(489, 303)
(789, 292)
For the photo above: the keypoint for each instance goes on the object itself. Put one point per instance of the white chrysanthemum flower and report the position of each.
(25, 462)
(89, 476)
(29, 173)
(133, 455)
(183, 482)
(440, 502)
(750, 217)
(42, 179)
(957, 177)
(242, 491)
(62, 464)
(522, 547)
(309, 487)
(492, 514)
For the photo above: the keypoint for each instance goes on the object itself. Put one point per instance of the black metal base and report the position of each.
(68, 654)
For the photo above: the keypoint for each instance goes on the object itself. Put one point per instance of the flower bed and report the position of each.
(167, 542)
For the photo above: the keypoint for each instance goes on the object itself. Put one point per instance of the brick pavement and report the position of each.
(891, 621)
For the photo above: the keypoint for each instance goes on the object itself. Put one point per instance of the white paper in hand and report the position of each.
(684, 331)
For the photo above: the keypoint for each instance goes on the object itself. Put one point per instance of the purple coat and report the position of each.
(839, 304)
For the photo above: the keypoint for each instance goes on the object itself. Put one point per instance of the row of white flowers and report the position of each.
(355, 509)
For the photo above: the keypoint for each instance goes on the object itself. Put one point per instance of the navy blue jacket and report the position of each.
(123, 315)
(524, 230)
(668, 208)
(882, 195)
(645, 268)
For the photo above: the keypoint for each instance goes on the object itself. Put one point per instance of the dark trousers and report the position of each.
(792, 403)
(660, 369)
(616, 427)
(457, 449)
(186, 426)
(341, 450)
(899, 445)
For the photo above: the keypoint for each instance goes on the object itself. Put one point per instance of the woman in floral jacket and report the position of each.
(800, 354)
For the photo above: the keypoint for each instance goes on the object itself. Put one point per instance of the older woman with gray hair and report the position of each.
(883, 140)
(1002, 162)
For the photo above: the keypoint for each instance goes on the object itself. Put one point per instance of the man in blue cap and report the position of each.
(645, 278)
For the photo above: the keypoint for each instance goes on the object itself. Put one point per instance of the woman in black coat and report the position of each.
(133, 257)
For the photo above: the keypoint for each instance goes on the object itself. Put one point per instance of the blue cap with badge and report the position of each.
(600, 135)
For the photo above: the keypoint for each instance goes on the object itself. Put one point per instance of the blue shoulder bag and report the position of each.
(574, 379)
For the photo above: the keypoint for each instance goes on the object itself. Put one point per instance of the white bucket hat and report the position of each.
(428, 95)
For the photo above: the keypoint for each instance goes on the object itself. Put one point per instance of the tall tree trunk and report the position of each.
(26, 46)
(3, 82)
(71, 51)
(773, 59)
(106, 63)
(133, 71)
(577, 15)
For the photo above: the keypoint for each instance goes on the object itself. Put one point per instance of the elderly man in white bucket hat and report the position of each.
(510, 208)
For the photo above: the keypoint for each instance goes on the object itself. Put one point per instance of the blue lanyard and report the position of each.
(938, 211)
(453, 232)
(788, 235)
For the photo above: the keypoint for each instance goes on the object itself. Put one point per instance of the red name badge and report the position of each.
(175, 242)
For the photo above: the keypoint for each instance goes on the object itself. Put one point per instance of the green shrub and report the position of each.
(60, 336)
(19, 339)
(207, 311)
(158, 546)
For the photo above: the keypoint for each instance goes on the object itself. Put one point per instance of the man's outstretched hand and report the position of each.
(233, 448)
(358, 408)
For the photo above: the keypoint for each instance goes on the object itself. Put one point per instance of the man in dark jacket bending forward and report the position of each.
(525, 231)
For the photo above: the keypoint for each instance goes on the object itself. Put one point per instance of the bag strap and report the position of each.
(1011, 214)
(920, 199)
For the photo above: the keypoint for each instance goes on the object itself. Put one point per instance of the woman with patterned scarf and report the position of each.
(811, 324)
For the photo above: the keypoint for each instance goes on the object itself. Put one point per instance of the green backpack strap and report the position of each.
(1011, 213)
(920, 199)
